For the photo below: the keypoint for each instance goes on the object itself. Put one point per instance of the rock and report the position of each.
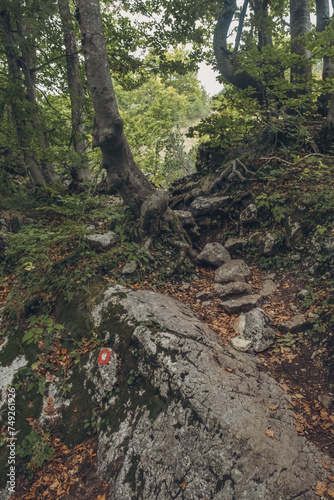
(232, 288)
(7, 375)
(312, 315)
(203, 295)
(241, 344)
(234, 244)
(272, 243)
(249, 214)
(91, 227)
(214, 254)
(244, 303)
(185, 286)
(102, 242)
(268, 288)
(188, 221)
(302, 294)
(235, 270)
(256, 239)
(326, 401)
(256, 326)
(3, 226)
(294, 231)
(129, 268)
(208, 205)
(193, 395)
(295, 324)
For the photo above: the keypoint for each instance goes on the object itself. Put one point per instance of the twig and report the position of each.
(298, 162)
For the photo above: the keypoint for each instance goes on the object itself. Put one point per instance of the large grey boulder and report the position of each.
(102, 242)
(208, 205)
(256, 326)
(242, 304)
(194, 423)
(235, 270)
(231, 289)
(214, 254)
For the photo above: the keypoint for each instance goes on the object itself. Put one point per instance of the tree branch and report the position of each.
(35, 70)
(241, 24)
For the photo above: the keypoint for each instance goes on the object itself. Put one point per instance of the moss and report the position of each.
(14, 347)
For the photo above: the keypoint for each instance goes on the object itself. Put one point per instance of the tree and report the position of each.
(77, 93)
(123, 175)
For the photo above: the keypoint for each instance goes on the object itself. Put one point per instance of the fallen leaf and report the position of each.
(273, 407)
(101, 497)
(184, 485)
(270, 433)
(320, 489)
(325, 465)
(331, 479)
(330, 492)
(285, 387)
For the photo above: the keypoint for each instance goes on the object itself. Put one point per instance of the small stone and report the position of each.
(241, 344)
(235, 270)
(326, 400)
(90, 228)
(129, 268)
(232, 288)
(268, 288)
(204, 295)
(295, 324)
(302, 294)
(207, 303)
(102, 242)
(242, 304)
(249, 214)
(272, 243)
(313, 315)
(214, 254)
(186, 286)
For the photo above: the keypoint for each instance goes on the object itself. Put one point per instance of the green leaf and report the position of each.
(41, 385)
(59, 327)
(30, 386)
(28, 335)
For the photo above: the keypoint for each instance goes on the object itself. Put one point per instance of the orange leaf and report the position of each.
(184, 485)
(325, 465)
(64, 350)
(330, 492)
(320, 489)
(285, 387)
(270, 433)
(273, 407)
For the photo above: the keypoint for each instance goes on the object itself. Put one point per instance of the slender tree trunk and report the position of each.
(123, 175)
(224, 57)
(77, 93)
(300, 25)
(322, 7)
(15, 80)
(28, 59)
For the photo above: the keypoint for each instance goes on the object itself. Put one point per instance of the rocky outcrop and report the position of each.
(208, 205)
(194, 423)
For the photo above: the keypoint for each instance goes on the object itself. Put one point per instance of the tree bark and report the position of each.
(300, 25)
(15, 77)
(224, 57)
(123, 175)
(322, 9)
(77, 93)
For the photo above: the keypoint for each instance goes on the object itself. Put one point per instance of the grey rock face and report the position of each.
(235, 270)
(214, 254)
(294, 231)
(242, 304)
(249, 214)
(271, 244)
(295, 324)
(102, 242)
(209, 426)
(232, 288)
(256, 326)
(209, 205)
(129, 268)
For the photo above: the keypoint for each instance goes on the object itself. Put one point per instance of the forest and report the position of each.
(166, 256)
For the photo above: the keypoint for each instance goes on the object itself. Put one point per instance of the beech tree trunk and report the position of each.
(322, 7)
(123, 175)
(15, 76)
(300, 25)
(225, 58)
(77, 93)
